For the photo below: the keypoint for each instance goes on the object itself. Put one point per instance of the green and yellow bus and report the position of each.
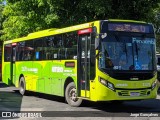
(103, 60)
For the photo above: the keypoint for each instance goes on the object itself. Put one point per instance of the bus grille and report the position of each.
(128, 93)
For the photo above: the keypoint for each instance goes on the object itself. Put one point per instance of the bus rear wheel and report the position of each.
(22, 86)
(71, 95)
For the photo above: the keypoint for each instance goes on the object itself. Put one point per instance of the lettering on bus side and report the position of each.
(57, 69)
(26, 69)
(146, 41)
(121, 85)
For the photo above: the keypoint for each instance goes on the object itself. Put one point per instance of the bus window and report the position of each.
(70, 43)
(52, 48)
(7, 53)
(39, 50)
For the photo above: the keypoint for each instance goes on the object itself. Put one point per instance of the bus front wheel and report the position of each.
(22, 86)
(71, 95)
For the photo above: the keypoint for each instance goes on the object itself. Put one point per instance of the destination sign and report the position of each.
(127, 27)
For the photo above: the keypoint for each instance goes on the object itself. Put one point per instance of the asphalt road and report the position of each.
(36, 105)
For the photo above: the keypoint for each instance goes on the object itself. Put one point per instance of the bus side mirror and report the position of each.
(96, 36)
(96, 43)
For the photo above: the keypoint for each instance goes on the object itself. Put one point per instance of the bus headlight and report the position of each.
(107, 83)
(154, 84)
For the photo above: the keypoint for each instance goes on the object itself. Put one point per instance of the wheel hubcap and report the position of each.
(73, 95)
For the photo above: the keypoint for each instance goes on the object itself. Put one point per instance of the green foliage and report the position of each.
(25, 16)
(20, 20)
(76, 11)
(1, 17)
(155, 19)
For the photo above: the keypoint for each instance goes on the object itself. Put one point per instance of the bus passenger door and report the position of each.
(83, 65)
(13, 67)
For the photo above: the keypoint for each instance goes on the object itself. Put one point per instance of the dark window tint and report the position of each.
(7, 52)
(70, 45)
(53, 46)
(39, 49)
(25, 51)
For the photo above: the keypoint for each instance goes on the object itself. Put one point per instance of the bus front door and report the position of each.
(83, 65)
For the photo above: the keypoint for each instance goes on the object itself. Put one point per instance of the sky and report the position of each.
(4, 2)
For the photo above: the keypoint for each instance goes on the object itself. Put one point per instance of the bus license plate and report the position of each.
(134, 94)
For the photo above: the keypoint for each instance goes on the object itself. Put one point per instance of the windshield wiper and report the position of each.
(126, 52)
(136, 49)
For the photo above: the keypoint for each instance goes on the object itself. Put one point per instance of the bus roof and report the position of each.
(49, 32)
(120, 20)
(54, 31)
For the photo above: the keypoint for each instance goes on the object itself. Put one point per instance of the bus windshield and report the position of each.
(127, 52)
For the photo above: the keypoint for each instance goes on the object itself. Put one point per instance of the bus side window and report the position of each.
(27, 56)
(70, 53)
(61, 54)
(21, 55)
(53, 45)
(49, 44)
(70, 45)
(38, 46)
(28, 48)
(7, 53)
(20, 51)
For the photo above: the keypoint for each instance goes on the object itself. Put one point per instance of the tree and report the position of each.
(78, 11)
(73, 12)
(25, 16)
(1, 16)
(155, 18)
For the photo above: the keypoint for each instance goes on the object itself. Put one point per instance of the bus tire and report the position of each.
(22, 86)
(71, 95)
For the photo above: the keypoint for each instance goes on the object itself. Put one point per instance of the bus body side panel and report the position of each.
(60, 70)
(6, 73)
(25, 69)
(46, 76)
(6, 67)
